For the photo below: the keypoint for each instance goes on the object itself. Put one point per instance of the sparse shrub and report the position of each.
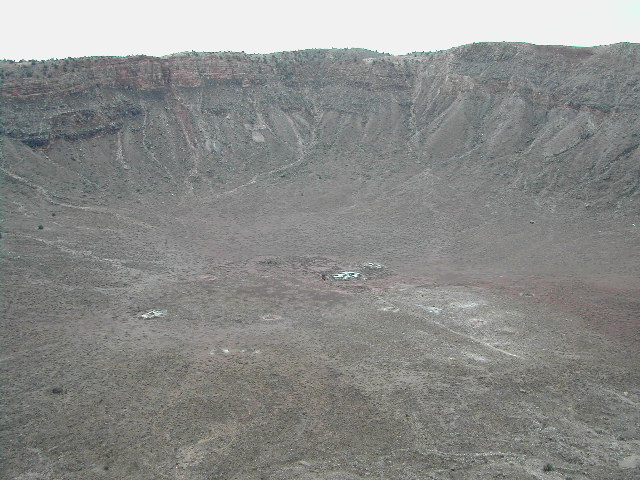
(40, 227)
(548, 468)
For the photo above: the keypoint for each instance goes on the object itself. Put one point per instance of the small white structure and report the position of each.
(373, 266)
(346, 275)
(153, 314)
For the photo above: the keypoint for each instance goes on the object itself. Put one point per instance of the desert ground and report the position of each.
(266, 366)
(173, 290)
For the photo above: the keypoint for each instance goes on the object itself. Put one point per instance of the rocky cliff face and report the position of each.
(499, 153)
(550, 121)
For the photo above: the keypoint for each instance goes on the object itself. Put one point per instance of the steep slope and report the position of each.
(475, 142)
(549, 121)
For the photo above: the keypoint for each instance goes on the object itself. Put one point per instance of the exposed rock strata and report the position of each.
(554, 121)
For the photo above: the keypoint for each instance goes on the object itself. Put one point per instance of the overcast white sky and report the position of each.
(72, 28)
